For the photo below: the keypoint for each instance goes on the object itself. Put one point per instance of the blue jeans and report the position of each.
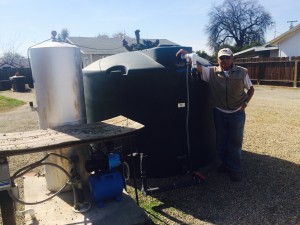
(229, 137)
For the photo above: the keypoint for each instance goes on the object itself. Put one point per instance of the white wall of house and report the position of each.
(87, 59)
(98, 56)
(90, 58)
(290, 46)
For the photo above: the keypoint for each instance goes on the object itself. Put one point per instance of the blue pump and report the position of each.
(113, 161)
(106, 186)
(107, 183)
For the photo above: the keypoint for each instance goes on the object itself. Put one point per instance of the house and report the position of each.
(95, 48)
(288, 43)
(285, 45)
(258, 52)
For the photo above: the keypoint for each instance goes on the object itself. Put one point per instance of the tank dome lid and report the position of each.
(54, 44)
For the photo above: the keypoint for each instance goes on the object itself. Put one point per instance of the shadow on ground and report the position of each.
(268, 194)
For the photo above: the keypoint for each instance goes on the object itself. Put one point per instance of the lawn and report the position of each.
(9, 103)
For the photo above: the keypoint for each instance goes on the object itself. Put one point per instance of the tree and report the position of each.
(102, 36)
(118, 35)
(238, 23)
(63, 35)
(203, 54)
(10, 56)
(9, 53)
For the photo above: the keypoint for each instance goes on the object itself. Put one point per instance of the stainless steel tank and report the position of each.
(57, 73)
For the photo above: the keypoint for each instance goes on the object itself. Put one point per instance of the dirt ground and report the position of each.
(270, 190)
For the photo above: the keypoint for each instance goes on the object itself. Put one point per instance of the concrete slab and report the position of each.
(59, 210)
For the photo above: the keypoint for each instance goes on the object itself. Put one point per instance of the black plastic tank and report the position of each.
(18, 83)
(150, 87)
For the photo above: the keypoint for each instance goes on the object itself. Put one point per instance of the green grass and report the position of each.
(9, 103)
(148, 203)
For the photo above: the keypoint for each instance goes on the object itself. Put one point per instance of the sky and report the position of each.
(27, 23)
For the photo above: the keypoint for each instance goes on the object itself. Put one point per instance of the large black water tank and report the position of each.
(150, 87)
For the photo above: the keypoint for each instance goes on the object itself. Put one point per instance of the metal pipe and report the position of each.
(173, 186)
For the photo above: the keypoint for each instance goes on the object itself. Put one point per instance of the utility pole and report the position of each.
(291, 22)
(275, 31)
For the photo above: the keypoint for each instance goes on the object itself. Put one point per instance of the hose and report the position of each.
(52, 196)
(188, 113)
(78, 206)
(25, 169)
(29, 167)
(126, 171)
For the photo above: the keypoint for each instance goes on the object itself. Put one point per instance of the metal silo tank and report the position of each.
(57, 74)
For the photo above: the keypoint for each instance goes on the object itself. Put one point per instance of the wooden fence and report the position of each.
(6, 73)
(275, 70)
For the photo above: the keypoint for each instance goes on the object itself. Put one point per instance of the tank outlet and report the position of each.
(181, 105)
(33, 107)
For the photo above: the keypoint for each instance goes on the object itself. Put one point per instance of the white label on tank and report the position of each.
(181, 105)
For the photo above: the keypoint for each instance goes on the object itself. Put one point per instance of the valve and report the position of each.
(33, 108)
(192, 58)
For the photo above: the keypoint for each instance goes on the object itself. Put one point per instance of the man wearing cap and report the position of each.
(227, 84)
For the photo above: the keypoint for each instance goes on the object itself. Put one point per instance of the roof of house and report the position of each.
(285, 35)
(254, 51)
(270, 46)
(107, 46)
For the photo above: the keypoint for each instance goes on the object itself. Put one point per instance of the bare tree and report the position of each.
(238, 23)
(102, 36)
(9, 51)
(118, 35)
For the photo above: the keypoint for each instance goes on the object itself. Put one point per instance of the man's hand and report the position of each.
(181, 52)
(244, 105)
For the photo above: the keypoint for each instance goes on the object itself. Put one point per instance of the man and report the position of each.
(227, 84)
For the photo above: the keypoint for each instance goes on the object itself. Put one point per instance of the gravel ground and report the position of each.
(21, 118)
(270, 190)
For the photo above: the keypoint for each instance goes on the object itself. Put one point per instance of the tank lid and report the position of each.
(54, 44)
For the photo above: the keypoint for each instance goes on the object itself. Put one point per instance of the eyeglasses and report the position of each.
(224, 57)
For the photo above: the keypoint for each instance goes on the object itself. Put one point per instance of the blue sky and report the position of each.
(25, 23)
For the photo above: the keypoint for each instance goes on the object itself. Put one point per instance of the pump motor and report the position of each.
(103, 163)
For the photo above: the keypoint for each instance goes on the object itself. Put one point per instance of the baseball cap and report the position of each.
(225, 51)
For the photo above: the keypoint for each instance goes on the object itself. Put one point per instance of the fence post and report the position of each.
(295, 74)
